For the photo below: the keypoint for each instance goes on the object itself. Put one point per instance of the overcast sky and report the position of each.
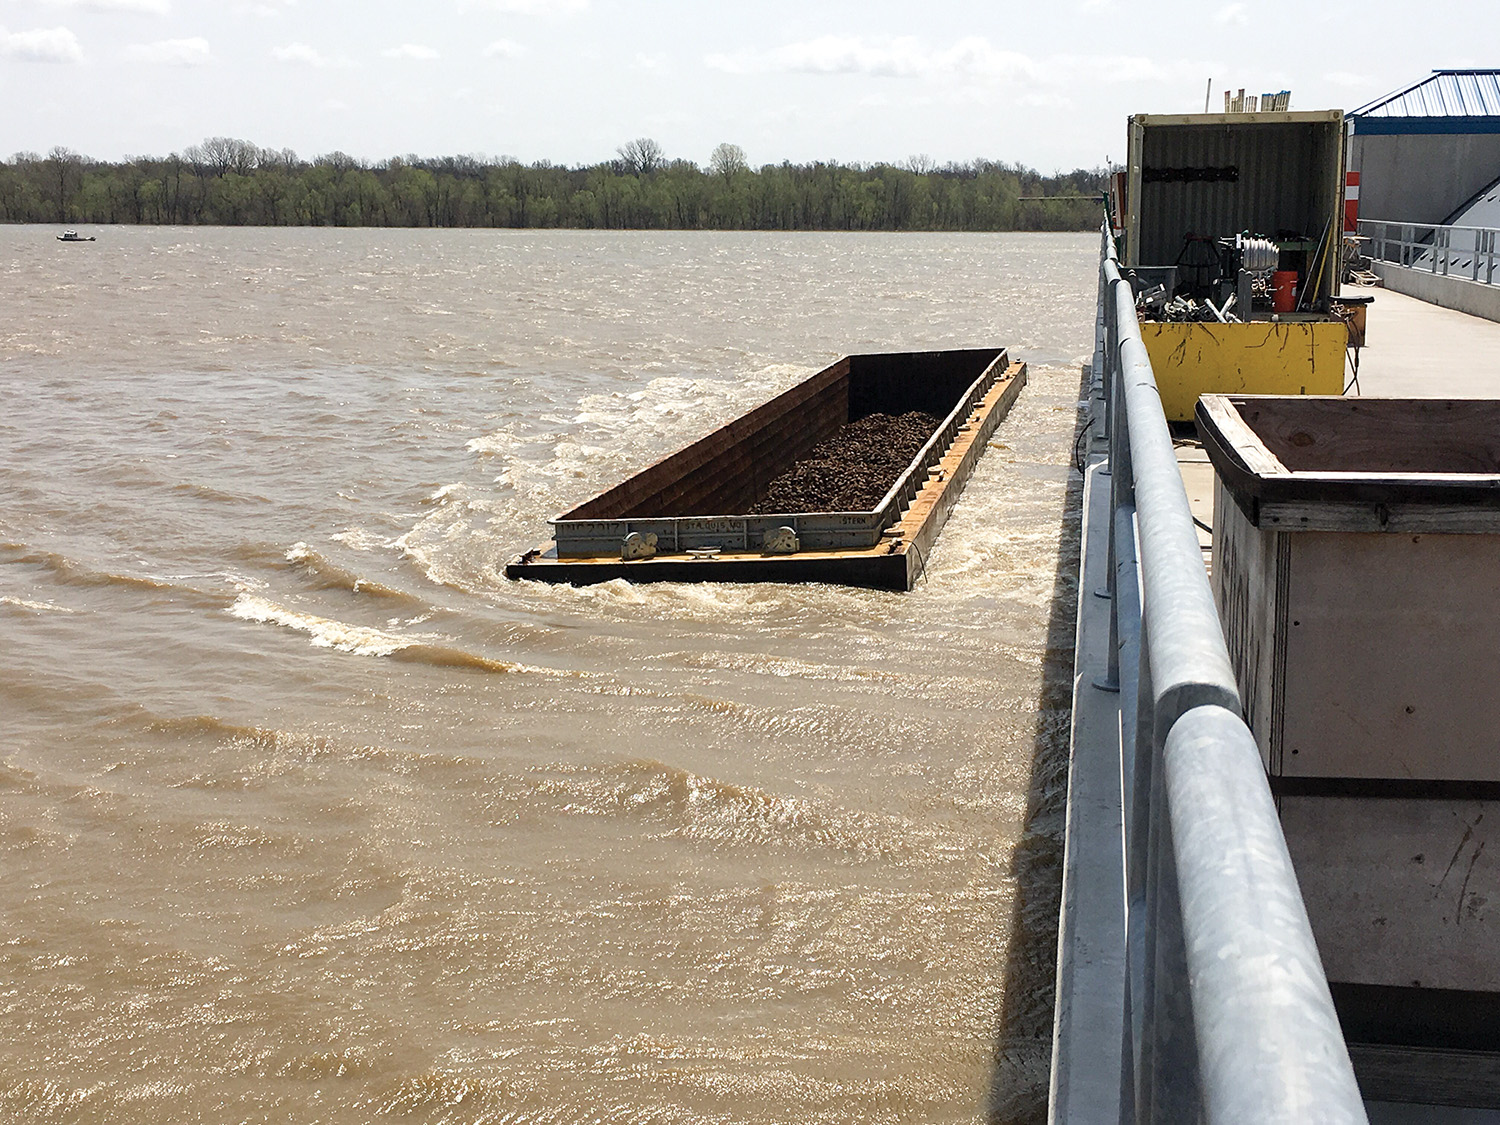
(1046, 83)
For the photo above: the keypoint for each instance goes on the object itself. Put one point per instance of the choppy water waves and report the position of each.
(329, 575)
(307, 814)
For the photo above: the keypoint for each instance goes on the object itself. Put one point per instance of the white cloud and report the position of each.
(975, 59)
(171, 52)
(44, 44)
(410, 51)
(1115, 69)
(150, 7)
(903, 57)
(503, 48)
(528, 7)
(263, 8)
(1235, 14)
(644, 61)
(1348, 81)
(304, 55)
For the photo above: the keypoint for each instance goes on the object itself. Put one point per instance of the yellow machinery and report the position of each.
(1195, 184)
(1304, 357)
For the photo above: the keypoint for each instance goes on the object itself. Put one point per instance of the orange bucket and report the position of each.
(1283, 291)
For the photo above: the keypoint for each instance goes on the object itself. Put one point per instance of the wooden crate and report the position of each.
(1356, 565)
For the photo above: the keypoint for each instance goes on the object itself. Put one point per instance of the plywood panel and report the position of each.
(1400, 892)
(1244, 573)
(1375, 436)
(1392, 656)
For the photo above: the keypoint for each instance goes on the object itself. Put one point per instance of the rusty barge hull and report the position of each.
(680, 499)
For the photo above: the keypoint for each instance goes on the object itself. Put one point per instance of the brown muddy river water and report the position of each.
(309, 815)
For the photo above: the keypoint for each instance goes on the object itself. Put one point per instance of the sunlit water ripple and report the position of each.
(307, 814)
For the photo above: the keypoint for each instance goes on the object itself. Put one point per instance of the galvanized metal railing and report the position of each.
(1228, 1016)
(1466, 252)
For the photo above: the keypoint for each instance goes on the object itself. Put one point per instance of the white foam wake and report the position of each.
(39, 607)
(361, 640)
(324, 631)
(359, 539)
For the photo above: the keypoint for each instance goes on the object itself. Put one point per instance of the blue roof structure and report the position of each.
(1446, 101)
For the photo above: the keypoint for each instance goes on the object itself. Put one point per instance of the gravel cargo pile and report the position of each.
(853, 469)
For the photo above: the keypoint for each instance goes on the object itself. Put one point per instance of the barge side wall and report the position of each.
(726, 471)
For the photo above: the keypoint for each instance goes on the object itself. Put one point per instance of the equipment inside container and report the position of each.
(1234, 217)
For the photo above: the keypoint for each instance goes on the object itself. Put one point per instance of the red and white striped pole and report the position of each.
(1351, 202)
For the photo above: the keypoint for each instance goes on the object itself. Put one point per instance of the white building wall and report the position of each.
(1421, 178)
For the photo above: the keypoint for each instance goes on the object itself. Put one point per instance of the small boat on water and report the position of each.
(74, 236)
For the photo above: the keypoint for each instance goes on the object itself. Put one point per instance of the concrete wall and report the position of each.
(1421, 178)
(1470, 297)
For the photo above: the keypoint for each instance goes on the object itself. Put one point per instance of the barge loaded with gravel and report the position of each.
(845, 478)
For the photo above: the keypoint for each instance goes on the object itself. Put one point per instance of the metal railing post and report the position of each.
(1170, 1079)
(1096, 367)
(1119, 467)
(1107, 269)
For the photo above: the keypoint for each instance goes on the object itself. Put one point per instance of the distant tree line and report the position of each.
(231, 182)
